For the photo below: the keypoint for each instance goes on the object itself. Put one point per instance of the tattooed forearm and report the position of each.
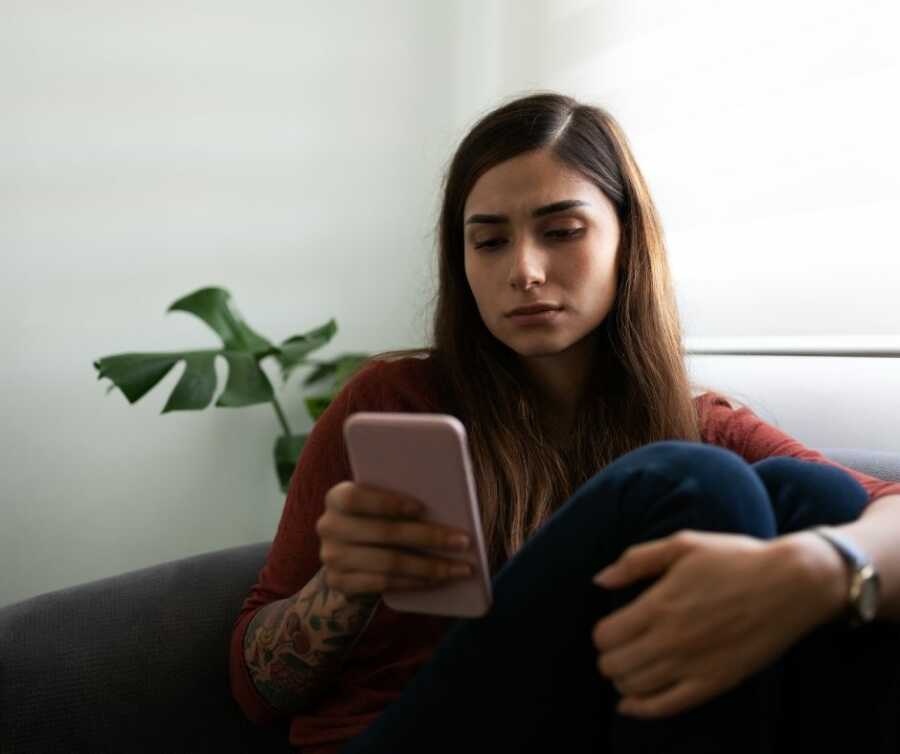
(294, 647)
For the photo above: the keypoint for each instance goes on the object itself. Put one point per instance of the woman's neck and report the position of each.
(561, 380)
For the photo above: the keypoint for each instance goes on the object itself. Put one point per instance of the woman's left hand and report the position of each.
(725, 606)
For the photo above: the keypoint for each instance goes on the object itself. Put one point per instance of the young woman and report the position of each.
(557, 343)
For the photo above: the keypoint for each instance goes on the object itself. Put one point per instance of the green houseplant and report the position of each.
(135, 374)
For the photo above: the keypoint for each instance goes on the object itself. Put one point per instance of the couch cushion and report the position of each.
(132, 663)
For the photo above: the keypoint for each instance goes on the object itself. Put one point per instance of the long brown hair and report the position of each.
(639, 391)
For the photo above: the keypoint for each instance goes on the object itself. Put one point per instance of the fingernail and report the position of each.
(600, 578)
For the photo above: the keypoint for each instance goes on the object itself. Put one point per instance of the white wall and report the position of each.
(290, 152)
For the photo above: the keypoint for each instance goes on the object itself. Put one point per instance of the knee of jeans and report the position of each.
(679, 459)
(724, 492)
(832, 495)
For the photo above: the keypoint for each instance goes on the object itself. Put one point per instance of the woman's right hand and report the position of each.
(364, 534)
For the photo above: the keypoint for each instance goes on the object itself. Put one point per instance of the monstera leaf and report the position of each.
(135, 374)
(294, 350)
(287, 451)
(335, 374)
(340, 369)
(214, 306)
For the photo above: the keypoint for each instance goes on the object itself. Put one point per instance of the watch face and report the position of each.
(868, 599)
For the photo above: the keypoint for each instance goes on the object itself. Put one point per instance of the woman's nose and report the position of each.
(526, 265)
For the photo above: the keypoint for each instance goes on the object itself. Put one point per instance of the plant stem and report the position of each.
(281, 417)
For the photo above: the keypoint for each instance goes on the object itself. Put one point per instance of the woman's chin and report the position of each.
(537, 347)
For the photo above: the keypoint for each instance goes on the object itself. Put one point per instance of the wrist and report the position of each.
(820, 569)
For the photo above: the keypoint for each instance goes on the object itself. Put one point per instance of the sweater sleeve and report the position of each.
(293, 558)
(741, 430)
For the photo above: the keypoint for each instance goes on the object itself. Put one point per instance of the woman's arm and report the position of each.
(877, 532)
(295, 647)
(757, 598)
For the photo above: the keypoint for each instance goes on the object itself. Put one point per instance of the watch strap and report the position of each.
(860, 566)
(851, 555)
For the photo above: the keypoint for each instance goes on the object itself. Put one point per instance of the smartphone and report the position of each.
(426, 456)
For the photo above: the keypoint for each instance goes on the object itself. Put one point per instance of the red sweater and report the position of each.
(396, 644)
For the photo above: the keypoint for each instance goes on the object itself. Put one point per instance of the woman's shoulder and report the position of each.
(707, 397)
(398, 381)
(722, 418)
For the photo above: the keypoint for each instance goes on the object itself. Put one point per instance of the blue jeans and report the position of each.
(524, 677)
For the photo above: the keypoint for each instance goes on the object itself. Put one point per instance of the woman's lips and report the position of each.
(547, 316)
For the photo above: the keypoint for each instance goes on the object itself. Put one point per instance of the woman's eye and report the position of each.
(558, 234)
(565, 232)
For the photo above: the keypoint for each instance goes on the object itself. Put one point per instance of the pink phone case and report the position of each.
(426, 457)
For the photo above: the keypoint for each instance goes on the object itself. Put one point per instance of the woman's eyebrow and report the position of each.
(539, 212)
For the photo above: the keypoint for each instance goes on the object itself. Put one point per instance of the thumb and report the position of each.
(642, 561)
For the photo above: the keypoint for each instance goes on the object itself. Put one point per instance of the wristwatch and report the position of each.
(865, 588)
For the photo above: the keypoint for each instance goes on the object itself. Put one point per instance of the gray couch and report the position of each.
(139, 662)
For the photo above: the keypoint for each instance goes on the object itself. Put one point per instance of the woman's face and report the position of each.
(521, 250)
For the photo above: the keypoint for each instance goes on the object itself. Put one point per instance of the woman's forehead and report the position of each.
(527, 183)
(528, 173)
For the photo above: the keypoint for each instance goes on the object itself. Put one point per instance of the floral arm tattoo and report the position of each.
(295, 646)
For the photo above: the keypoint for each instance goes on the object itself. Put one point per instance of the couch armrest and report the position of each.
(136, 662)
(882, 464)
